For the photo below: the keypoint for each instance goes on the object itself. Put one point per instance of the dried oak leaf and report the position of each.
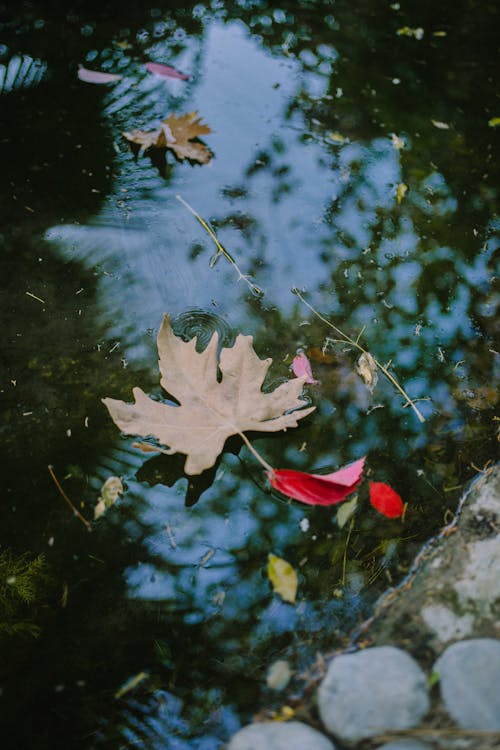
(210, 410)
(176, 134)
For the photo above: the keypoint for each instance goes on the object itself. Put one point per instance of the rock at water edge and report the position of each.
(374, 690)
(469, 674)
(290, 735)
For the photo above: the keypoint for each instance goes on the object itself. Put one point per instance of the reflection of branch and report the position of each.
(357, 345)
(221, 250)
(75, 510)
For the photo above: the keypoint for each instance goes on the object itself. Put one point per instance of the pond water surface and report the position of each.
(157, 628)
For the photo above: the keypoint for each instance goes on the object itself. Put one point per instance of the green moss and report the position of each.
(23, 587)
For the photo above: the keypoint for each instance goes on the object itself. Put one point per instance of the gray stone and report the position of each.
(278, 735)
(405, 745)
(374, 690)
(470, 683)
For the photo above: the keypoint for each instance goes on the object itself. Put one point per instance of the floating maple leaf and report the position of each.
(318, 489)
(177, 134)
(210, 411)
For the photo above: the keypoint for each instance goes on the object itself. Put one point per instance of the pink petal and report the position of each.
(318, 489)
(302, 366)
(96, 76)
(165, 70)
(386, 500)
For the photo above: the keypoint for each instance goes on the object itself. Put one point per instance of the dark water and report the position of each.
(303, 99)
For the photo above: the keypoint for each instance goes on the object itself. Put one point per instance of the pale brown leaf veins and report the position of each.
(210, 411)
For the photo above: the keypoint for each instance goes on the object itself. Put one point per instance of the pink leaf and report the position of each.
(385, 500)
(165, 71)
(302, 366)
(96, 76)
(318, 489)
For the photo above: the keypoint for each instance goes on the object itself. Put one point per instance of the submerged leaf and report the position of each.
(318, 489)
(337, 137)
(416, 33)
(110, 492)
(346, 511)
(397, 142)
(97, 76)
(210, 410)
(278, 675)
(165, 71)
(177, 134)
(283, 578)
(401, 191)
(386, 500)
(440, 125)
(366, 367)
(301, 366)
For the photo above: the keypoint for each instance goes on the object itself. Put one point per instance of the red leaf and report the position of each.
(165, 70)
(96, 76)
(302, 366)
(385, 500)
(318, 489)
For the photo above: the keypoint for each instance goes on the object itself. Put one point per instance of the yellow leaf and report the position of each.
(111, 490)
(494, 122)
(345, 511)
(417, 33)
(99, 509)
(440, 125)
(283, 578)
(337, 137)
(401, 191)
(397, 142)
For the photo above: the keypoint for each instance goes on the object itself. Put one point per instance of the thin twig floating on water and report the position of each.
(221, 250)
(357, 345)
(75, 510)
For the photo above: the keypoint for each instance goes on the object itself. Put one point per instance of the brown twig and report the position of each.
(75, 510)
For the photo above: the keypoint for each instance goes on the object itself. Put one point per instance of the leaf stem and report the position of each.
(257, 455)
(357, 345)
(75, 510)
(344, 559)
(221, 250)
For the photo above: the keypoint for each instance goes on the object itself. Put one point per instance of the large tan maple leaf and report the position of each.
(210, 410)
(176, 134)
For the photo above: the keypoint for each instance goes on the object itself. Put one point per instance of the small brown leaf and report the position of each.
(367, 369)
(177, 134)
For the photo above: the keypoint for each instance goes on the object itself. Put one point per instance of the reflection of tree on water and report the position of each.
(298, 209)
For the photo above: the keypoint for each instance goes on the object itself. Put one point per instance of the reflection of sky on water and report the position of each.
(312, 214)
(146, 238)
(293, 211)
